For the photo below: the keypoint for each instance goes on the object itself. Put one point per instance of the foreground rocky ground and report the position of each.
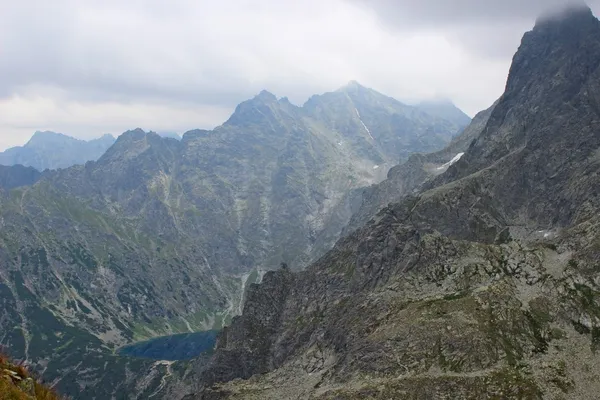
(16, 383)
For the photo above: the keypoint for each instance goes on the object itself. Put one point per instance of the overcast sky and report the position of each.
(88, 67)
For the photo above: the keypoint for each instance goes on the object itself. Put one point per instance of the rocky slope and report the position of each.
(50, 150)
(17, 176)
(410, 176)
(481, 285)
(160, 236)
(358, 205)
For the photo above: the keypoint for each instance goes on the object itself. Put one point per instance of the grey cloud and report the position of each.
(50, 44)
(492, 28)
(112, 62)
(176, 51)
(404, 13)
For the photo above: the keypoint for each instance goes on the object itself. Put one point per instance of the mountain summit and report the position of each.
(546, 121)
(353, 86)
(575, 11)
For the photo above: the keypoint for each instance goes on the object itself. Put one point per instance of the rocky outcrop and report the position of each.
(480, 285)
(16, 383)
(246, 348)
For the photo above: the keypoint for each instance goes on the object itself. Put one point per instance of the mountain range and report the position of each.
(468, 272)
(162, 236)
(480, 281)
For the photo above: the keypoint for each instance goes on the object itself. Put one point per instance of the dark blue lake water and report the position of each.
(173, 348)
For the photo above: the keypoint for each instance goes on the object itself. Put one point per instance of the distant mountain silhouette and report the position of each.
(50, 150)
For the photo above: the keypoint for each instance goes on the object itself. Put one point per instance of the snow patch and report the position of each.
(454, 160)
(546, 234)
(363, 124)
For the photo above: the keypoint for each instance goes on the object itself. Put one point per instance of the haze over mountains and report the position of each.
(50, 150)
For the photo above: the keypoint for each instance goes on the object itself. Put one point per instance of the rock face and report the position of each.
(161, 236)
(50, 150)
(482, 284)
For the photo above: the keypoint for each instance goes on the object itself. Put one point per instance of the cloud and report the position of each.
(22, 115)
(435, 13)
(86, 67)
(489, 28)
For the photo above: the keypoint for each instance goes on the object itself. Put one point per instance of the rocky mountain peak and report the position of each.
(265, 96)
(133, 143)
(347, 95)
(169, 134)
(193, 134)
(569, 27)
(353, 87)
(105, 140)
(135, 134)
(574, 12)
(262, 107)
(551, 79)
(285, 100)
(47, 137)
(570, 31)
